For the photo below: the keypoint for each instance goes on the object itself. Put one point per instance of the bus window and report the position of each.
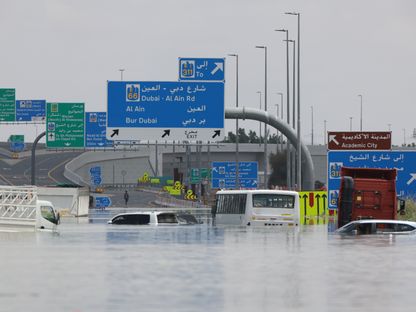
(273, 201)
(231, 204)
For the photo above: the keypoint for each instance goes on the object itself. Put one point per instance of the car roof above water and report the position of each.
(378, 226)
(153, 218)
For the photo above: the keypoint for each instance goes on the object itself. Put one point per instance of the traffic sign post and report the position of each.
(95, 129)
(224, 174)
(403, 161)
(7, 104)
(203, 69)
(30, 110)
(102, 202)
(95, 175)
(165, 110)
(359, 140)
(65, 125)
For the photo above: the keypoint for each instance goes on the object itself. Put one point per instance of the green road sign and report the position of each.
(205, 173)
(195, 178)
(16, 138)
(198, 175)
(7, 104)
(65, 125)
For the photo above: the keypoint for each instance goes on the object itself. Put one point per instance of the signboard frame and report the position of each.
(201, 69)
(65, 125)
(359, 140)
(225, 176)
(7, 104)
(403, 161)
(165, 110)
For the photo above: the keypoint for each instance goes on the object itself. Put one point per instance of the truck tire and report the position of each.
(345, 200)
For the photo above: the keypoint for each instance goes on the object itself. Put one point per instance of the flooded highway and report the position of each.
(102, 267)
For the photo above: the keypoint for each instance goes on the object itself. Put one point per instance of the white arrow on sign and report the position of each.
(218, 66)
(332, 138)
(413, 177)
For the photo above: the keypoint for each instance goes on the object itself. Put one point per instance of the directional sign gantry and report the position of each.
(165, 110)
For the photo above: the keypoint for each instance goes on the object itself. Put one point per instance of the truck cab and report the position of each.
(49, 217)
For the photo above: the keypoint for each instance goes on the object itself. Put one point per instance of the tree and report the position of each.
(253, 138)
(278, 175)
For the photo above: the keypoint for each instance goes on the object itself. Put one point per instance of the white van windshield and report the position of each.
(49, 214)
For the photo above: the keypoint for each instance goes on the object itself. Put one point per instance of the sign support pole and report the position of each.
(33, 158)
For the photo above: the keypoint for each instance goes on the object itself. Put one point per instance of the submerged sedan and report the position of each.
(374, 226)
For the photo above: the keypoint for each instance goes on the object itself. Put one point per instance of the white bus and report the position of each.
(256, 207)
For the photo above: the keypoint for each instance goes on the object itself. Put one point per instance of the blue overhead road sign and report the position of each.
(205, 69)
(30, 110)
(165, 110)
(224, 174)
(95, 128)
(403, 161)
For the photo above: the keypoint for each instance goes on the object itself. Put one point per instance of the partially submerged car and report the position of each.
(377, 226)
(154, 218)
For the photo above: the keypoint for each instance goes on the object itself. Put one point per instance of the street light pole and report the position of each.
(121, 73)
(265, 109)
(299, 154)
(350, 123)
(288, 181)
(237, 171)
(259, 92)
(325, 134)
(361, 112)
(293, 154)
(312, 125)
(281, 117)
(277, 133)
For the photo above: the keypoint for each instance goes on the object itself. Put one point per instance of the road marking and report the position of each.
(54, 168)
(5, 179)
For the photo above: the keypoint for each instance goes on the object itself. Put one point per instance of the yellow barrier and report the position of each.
(313, 203)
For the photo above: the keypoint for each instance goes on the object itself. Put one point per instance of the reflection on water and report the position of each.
(100, 267)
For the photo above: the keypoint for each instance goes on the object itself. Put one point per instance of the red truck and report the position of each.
(367, 193)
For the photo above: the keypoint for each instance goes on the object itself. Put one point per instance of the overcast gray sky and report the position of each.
(66, 50)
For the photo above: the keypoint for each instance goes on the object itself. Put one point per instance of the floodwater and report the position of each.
(101, 267)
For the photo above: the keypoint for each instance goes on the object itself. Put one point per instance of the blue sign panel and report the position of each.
(17, 147)
(403, 161)
(207, 69)
(95, 175)
(95, 128)
(224, 174)
(102, 202)
(30, 110)
(165, 110)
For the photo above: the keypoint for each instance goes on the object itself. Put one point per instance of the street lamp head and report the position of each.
(260, 47)
(289, 40)
(292, 13)
(233, 54)
(284, 30)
